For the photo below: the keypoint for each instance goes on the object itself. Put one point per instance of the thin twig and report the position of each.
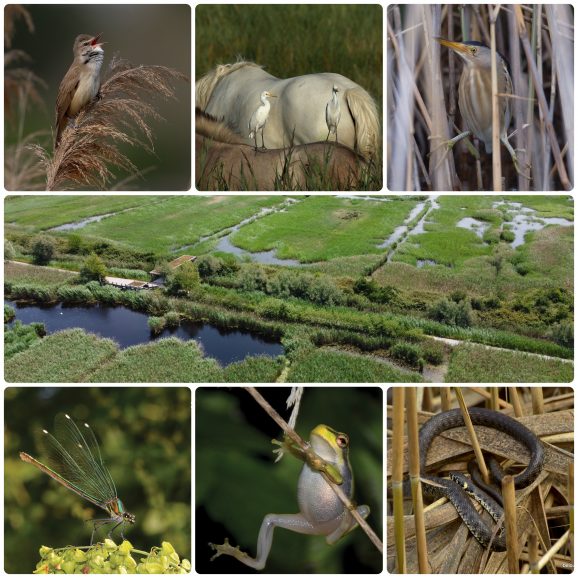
(305, 447)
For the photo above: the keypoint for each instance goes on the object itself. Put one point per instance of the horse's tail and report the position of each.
(364, 113)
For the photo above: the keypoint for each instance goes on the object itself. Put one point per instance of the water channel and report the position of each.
(403, 232)
(522, 221)
(129, 328)
(224, 244)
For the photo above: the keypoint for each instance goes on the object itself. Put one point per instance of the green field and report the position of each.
(477, 364)
(352, 312)
(55, 211)
(323, 228)
(324, 366)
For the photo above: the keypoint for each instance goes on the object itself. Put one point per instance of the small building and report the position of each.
(174, 264)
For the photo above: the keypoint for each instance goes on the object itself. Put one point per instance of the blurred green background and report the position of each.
(237, 483)
(144, 435)
(143, 34)
(294, 39)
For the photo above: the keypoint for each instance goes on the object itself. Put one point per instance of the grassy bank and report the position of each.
(477, 364)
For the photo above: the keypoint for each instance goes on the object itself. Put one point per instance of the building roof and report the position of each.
(175, 263)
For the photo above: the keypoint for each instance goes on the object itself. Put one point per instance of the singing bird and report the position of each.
(259, 118)
(333, 113)
(82, 81)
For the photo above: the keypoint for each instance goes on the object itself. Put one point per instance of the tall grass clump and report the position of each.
(75, 295)
(157, 325)
(20, 337)
(29, 292)
(9, 313)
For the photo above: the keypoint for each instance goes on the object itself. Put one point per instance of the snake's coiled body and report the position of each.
(454, 492)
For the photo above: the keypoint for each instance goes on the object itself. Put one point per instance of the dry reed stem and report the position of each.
(496, 150)
(537, 400)
(516, 402)
(542, 100)
(473, 437)
(89, 149)
(397, 478)
(414, 476)
(509, 497)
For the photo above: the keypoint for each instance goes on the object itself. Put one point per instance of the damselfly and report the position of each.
(75, 462)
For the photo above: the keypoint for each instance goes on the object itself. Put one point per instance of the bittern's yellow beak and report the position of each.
(457, 46)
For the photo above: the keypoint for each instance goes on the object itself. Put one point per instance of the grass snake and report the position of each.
(454, 490)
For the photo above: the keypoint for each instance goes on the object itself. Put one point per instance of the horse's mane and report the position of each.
(211, 127)
(206, 84)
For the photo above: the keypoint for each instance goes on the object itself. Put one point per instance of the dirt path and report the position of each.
(456, 342)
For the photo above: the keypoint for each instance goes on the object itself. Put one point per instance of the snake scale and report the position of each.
(454, 490)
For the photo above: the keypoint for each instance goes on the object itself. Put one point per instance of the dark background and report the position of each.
(144, 435)
(237, 483)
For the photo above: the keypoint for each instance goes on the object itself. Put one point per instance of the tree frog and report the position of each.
(321, 512)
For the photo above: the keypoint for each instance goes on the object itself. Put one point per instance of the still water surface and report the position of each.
(128, 328)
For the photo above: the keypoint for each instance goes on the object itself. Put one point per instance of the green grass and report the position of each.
(65, 356)
(320, 228)
(22, 274)
(257, 369)
(477, 364)
(178, 221)
(326, 366)
(442, 237)
(164, 361)
(44, 212)
(344, 50)
(20, 337)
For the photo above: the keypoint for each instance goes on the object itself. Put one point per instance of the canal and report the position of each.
(129, 328)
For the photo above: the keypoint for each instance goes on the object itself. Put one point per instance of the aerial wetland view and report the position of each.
(335, 289)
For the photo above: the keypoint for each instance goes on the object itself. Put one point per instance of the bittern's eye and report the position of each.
(474, 51)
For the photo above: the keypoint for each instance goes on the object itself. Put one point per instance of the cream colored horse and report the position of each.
(224, 162)
(231, 93)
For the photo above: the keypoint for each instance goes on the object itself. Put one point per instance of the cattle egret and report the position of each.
(333, 113)
(259, 118)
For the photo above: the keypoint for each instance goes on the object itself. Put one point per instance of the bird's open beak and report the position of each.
(95, 40)
(457, 46)
(273, 95)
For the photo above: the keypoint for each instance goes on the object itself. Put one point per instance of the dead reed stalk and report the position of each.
(89, 149)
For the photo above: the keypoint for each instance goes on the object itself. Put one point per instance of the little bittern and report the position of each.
(475, 90)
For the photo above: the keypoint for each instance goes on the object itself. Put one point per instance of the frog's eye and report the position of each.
(342, 440)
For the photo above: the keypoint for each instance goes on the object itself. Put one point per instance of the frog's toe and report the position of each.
(224, 548)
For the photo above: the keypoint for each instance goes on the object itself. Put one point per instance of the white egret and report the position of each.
(333, 113)
(259, 118)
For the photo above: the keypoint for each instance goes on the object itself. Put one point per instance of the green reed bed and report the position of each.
(20, 337)
(65, 356)
(327, 366)
(164, 361)
(477, 364)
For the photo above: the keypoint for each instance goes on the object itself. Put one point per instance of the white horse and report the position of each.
(231, 92)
